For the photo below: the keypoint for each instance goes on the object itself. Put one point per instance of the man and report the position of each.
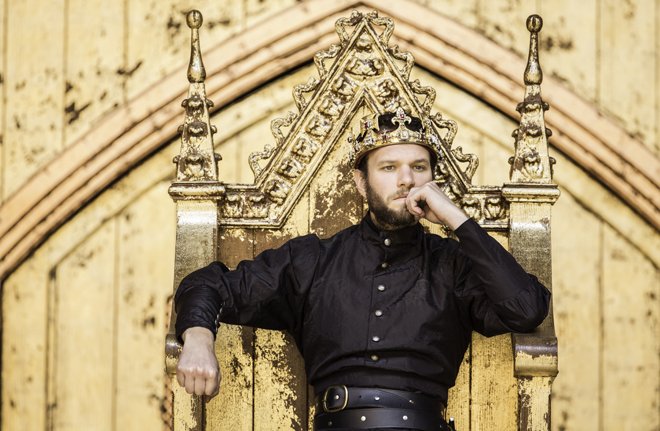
(382, 312)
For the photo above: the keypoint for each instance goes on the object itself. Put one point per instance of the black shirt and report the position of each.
(372, 308)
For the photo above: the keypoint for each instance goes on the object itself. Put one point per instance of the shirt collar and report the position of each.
(398, 245)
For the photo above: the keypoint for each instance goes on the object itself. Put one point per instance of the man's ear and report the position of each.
(360, 182)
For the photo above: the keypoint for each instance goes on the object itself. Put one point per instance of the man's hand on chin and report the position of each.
(197, 370)
(428, 201)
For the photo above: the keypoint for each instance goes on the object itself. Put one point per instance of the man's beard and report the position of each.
(386, 217)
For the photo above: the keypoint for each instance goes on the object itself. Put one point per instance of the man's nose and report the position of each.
(406, 178)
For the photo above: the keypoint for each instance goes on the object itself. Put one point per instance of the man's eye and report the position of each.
(419, 168)
(388, 168)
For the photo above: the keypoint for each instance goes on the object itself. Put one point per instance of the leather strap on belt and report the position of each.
(380, 418)
(338, 398)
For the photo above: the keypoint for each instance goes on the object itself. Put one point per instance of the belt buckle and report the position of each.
(325, 399)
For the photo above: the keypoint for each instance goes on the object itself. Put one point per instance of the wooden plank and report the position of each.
(494, 388)
(504, 22)
(33, 131)
(458, 403)
(146, 241)
(233, 408)
(259, 10)
(493, 385)
(626, 75)
(576, 302)
(158, 39)
(568, 46)
(631, 324)
(94, 54)
(334, 201)
(463, 11)
(3, 93)
(280, 386)
(85, 335)
(24, 347)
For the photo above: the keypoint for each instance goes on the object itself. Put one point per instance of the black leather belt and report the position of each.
(337, 398)
(380, 418)
(362, 408)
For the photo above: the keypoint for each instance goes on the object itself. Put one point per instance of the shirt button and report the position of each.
(387, 242)
(374, 358)
(378, 313)
(381, 288)
(375, 338)
(384, 265)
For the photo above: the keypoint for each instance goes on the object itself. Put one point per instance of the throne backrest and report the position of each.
(303, 184)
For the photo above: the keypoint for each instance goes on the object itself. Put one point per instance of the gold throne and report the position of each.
(303, 185)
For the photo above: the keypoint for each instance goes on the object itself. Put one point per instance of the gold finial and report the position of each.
(533, 73)
(196, 71)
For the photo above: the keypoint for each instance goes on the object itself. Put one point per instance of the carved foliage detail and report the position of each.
(485, 208)
(197, 161)
(530, 162)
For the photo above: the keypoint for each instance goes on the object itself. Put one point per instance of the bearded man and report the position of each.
(382, 312)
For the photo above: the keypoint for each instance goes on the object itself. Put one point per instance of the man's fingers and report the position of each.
(190, 384)
(200, 385)
(181, 378)
(211, 385)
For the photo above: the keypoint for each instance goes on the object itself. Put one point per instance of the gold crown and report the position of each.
(392, 128)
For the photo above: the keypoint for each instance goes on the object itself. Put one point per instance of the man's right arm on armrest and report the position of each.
(198, 371)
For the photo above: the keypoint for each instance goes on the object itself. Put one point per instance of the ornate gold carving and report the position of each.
(257, 206)
(267, 152)
(472, 207)
(319, 126)
(300, 89)
(305, 148)
(531, 162)
(277, 190)
(290, 168)
(388, 96)
(471, 159)
(196, 161)
(445, 124)
(277, 124)
(406, 57)
(429, 92)
(321, 56)
(365, 62)
(344, 86)
(495, 208)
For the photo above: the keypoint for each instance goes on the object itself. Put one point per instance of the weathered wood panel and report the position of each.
(258, 10)
(93, 82)
(463, 11)
(493, 388)
(234, 349)
(85, 337)
(504, 22)
(29, 296)
(631, 346)
(577, 309)
(279, 371)
(158, 40)
(24, 348)
(34, 86)
(568, 48)
(145, 254)
(627, 74)
(3, 89)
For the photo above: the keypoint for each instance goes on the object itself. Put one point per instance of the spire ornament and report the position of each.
(197, 161)
(531, 162)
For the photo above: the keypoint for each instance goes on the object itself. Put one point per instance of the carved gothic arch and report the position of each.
(129, 134)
